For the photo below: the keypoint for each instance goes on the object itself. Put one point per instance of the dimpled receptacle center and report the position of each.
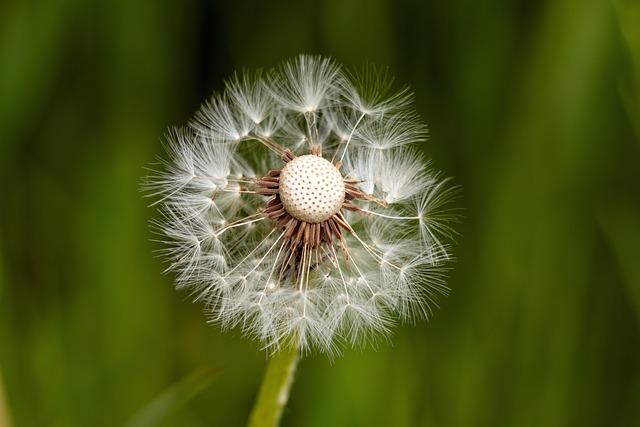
(311, 188)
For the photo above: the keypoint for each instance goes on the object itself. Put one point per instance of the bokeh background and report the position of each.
(533, 107)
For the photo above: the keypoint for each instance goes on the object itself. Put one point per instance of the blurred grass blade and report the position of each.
(628, 15)
(621, 228)
(173, 398)
(5, 417)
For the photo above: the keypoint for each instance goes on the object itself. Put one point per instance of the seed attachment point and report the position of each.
(311, 189)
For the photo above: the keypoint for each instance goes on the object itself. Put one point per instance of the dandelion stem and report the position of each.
(274, 391)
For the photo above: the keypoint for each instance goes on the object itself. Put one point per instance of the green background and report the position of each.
(533, 107)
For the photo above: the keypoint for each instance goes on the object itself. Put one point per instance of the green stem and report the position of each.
(274, 391)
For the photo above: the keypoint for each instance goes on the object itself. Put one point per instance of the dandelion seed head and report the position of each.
(311, 189)
(296, 207)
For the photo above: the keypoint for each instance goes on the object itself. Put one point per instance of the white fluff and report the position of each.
(225, 252)
(306, 83)
(369, 91)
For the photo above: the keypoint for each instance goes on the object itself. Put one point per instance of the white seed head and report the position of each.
(311, 189)
(274, 238)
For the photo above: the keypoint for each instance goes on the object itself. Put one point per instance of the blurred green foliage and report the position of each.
(534, 107)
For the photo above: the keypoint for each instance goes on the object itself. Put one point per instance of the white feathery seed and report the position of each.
(306, 84)
(369, 91)
(297, 208)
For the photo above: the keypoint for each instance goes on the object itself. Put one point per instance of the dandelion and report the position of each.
(297, 208)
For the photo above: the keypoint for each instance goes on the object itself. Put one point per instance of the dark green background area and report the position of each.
(533, 107)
